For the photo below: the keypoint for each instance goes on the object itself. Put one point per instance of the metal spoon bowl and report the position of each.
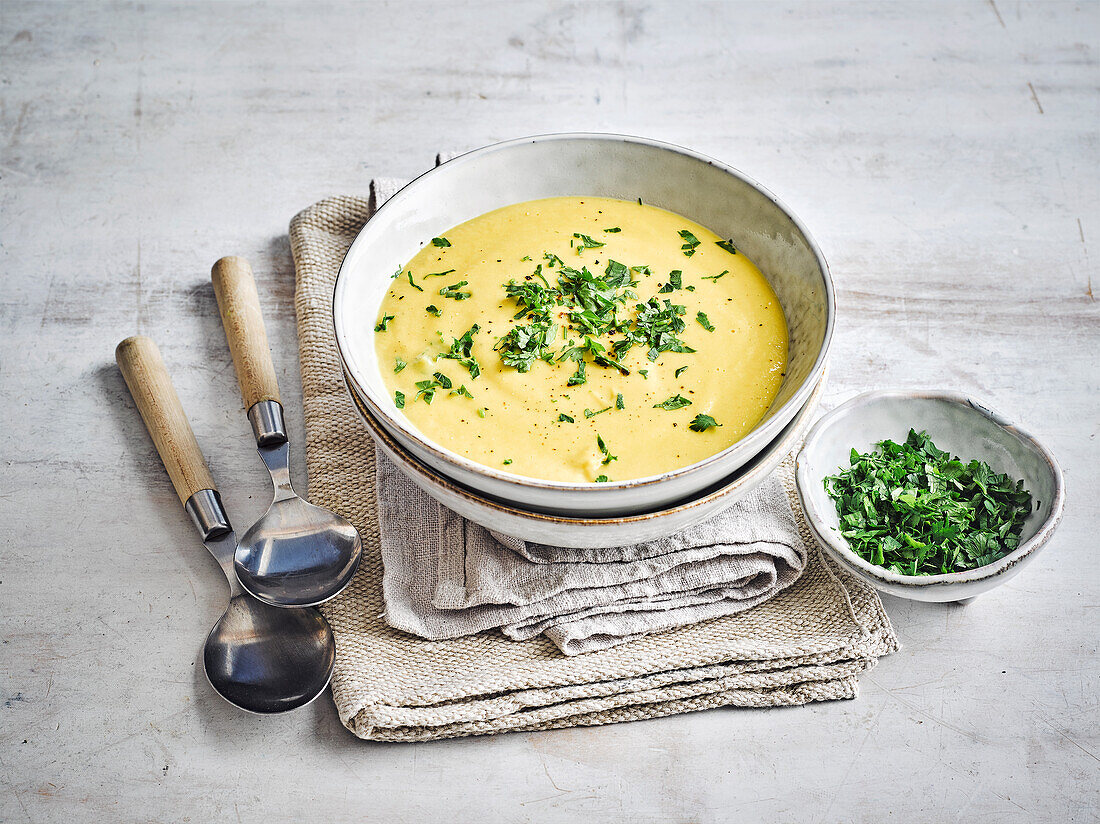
(296, 554)
(265, 659)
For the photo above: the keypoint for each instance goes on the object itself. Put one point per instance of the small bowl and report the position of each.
(956, 423)
(588, 532)
(693, 185)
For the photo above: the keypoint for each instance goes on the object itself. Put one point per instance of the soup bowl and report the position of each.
(693, 185)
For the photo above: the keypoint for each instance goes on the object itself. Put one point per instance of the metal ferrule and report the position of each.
(206, 510)
(266, 418)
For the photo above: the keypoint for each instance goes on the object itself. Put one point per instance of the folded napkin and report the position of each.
(446, 577)
(807, 643)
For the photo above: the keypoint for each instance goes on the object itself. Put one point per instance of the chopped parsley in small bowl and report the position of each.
(927, 495)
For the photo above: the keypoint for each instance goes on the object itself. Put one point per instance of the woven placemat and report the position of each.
(809, 643)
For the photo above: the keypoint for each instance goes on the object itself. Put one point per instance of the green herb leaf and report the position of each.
(607, 456)
(586, 242)
(704, 322)
(425, 390)
(679, 372)
(462, 390)
(578, 377)
(442, 380)
(399, 364)
(613, 230)
(454, 291)
(481, 412)
(673, 403)
(432, 309)
(439, 274)
(601, 479)
(383, 324)
(716, 278)
(462, 351)
(411, 283)
(507, 461)
(399, 399)
(727, 245)
(644, 373)
(619, 404)
(563, 418)
(691, 242)
(441, 242)
(588, 413)
(701, 423)
(675, 281)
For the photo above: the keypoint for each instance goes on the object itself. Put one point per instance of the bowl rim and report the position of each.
(752, 439)
(757, 466)
(840, 547)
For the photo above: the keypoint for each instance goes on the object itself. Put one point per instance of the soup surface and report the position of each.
(581, 339)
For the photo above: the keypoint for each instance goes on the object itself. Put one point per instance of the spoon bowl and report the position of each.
(265, 660)
(297, 554)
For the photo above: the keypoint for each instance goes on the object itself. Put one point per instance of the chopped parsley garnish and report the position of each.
(675, 281)
(439, 274)
(462, 390)
(644, 373)
(704, 321)
(702, 423)
(455, 291)
(432, 309)
(673, 403)
(727, 245)
(563, 418)
(656, 326)
(425, 390)
(411, 283)
(613, 230)
(399, 364)
(524, 345)
(507, 461)
(679, 372)
(588, 413)
(481, 412)
(607, 456)
(601, 479)
(383, 324)
(462, 351)
(399, 399)
(586, 242)
(715, 278)
(578, 377)
(441, 242)
(619, 404)
(443, 381)
(917, 510)
(691, 242)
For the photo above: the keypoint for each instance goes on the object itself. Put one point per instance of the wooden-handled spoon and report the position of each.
(297, 554)
(258, 657)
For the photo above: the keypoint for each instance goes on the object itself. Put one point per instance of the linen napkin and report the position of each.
(446, 577)
(808, 643)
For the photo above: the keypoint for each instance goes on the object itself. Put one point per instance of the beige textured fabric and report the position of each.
(809, 643)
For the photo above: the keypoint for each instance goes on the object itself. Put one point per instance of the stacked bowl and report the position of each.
(670, 177)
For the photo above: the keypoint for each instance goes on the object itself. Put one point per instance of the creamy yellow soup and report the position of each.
(582, 339)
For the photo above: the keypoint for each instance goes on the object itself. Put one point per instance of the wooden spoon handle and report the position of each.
(239, 304)
(141, 365)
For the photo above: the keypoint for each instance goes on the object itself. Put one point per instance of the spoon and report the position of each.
(258, 657)
(297, 554)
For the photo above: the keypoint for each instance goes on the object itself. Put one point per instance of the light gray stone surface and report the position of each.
(945, 156)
